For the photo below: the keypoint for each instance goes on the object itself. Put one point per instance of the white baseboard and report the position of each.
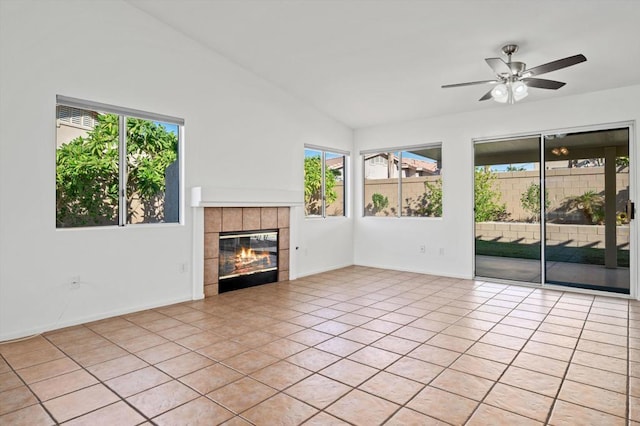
(417, 271)
(322, 270)
(89, 318)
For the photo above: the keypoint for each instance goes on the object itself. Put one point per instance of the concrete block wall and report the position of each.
(412, 189)
(561, 184)
(556, 234)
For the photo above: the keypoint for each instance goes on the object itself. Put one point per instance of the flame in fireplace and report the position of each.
(248, 256)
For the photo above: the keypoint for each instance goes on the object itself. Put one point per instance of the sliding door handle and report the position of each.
(631, 209)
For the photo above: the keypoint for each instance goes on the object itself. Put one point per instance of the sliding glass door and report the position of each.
(578, 202)
(587, 225)
(507, 209)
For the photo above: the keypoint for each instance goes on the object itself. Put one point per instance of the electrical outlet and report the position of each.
(422, 248)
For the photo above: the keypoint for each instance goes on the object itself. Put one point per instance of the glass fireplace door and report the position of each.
(247, 259)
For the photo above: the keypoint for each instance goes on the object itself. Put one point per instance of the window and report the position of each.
(324, 182)
(115, 166)
(405, 182)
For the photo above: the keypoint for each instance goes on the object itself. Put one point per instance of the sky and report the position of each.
(316, 153)
(171, 128)
(407, 154)
(503, 167)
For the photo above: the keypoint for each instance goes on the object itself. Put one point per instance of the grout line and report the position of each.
(387, 291)
(39, 401)
(82, 367)
(628, 379)
(515, 356)
(566, 371)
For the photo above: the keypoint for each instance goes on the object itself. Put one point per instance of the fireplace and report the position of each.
(247, 259)
(262, 230)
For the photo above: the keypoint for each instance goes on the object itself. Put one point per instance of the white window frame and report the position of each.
(123, 114)
(398, 150)
(345, 179)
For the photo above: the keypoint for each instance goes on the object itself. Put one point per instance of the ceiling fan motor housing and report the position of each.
(517, 68)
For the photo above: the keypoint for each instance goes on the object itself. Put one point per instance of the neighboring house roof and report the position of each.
(420, 165)
(427, 167)
(335, 163)
(411, 163)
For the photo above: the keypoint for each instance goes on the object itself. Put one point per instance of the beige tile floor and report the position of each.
(356, 346)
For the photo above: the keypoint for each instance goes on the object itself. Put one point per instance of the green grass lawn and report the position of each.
(590, 256)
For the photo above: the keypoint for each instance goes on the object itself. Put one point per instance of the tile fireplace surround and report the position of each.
(229, 219)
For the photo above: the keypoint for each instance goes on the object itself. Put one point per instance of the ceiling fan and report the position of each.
(513, 78)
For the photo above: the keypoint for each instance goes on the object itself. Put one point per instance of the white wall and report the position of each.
(393, 243)
(241, 132)
(328, 244)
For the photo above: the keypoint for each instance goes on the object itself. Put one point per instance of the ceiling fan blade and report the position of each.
(541, 83)
(555, 65)
(471, 83)
(486, 96)
(498, 66)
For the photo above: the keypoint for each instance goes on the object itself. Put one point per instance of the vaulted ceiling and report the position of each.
(371, 62)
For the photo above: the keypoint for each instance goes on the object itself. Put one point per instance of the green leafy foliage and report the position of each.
(622, 162)
(429, 203)
(487, 199)
(530, 201)
(87, 173)
(591, 204)
(313, 186)
(559, 253)
(380, 202)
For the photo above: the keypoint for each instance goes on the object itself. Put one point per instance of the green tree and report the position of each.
(487, 198)
(530, 200)
(313, 186)
(87, 170)
(429, 203)
(380, 202)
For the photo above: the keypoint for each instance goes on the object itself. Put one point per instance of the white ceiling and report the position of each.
(372, 62)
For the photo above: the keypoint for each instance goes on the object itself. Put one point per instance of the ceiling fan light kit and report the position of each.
(513, 79)
(509, 92)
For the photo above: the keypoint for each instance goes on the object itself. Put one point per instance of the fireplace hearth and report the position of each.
(247, 259)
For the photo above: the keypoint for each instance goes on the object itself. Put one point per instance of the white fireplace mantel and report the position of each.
(205, 196)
